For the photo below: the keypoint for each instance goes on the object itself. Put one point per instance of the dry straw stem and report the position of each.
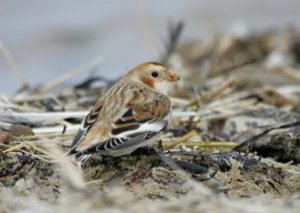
(44, 156)
(288, 167)
(180, 101)
(70, 129)
(288, 89)
(211, 146)
(19, 108)
(68, 75)
(14, 148)
(39, 97)
(288, 72)
(13, 65)
(214, 93)
(276, 164)
(146, 30)
(49, 117)
(182, 114)
(70, 171)
(6, 103)
(169, 145)
(39, 118)
(228, 107)
(35, 147)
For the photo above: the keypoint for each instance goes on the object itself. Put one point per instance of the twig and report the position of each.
(41, 150)
(182, 139)
(225, 108)
(250, 142)
(13, 65)
(146, 31)
(173, 165)
(56, 129)
(36, 118)
(19, 107)
(174, 34)
(68, 75)
(288, 72)
(214, 93)
(180, 101)
(183, 114)
(68, 168)
(13, 148)
(210, 146)
(94, 182)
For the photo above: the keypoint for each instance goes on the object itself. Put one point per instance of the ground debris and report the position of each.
(235, 131)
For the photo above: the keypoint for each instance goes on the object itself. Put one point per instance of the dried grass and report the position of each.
(222, 109)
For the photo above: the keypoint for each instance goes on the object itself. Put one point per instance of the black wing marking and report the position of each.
(125, 142)
(79, 135)
(87, 123)
(128, 113)
(91, 118)
(120, 130)
(128, 122)
(117, 143)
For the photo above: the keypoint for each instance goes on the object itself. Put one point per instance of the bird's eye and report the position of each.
(154, 74)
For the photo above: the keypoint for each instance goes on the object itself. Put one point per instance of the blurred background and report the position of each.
(48, 38)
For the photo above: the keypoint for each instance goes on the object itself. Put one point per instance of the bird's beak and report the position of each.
(173, 77)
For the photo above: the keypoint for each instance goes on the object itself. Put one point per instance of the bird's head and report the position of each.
(154, 75)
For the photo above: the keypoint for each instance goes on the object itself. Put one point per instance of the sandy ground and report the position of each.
(235, 138)
(144, 183)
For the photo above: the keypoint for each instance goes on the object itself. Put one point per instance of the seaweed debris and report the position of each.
(234, 133)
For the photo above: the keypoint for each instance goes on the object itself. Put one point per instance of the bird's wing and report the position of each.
(129, 137)
(138, 120)
(86, 124)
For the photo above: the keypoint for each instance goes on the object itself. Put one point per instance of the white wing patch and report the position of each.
(147, 127)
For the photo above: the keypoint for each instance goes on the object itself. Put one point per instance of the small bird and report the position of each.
(130, 115)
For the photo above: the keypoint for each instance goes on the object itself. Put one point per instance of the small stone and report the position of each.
(18, 130)
(5, 137)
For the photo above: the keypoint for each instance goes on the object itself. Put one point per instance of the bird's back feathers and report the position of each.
(128, 115)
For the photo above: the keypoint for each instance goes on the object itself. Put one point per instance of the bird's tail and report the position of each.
(82, 158)
(79, 157)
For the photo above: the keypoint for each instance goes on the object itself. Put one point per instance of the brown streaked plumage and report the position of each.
(130, 115)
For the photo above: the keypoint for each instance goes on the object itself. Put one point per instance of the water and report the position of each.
(50, 37)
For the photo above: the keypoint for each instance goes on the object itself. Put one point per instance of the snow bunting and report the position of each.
(130, 115)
